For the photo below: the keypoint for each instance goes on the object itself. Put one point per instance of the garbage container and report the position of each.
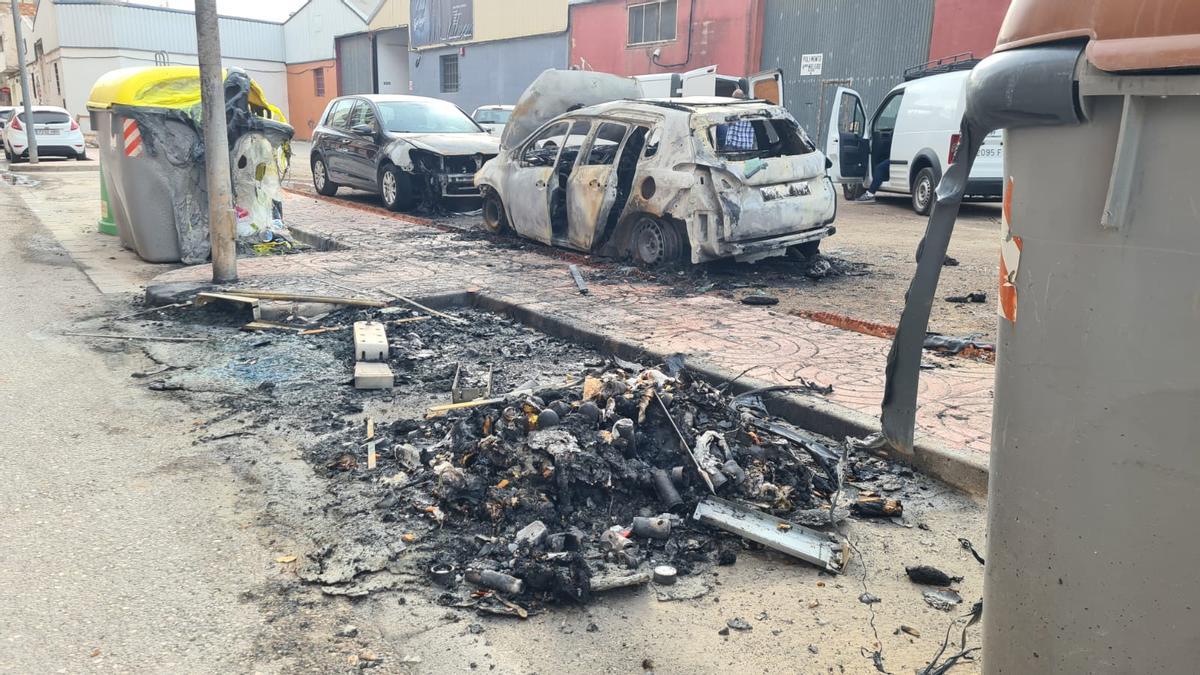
(147, 122)
(1094, 501)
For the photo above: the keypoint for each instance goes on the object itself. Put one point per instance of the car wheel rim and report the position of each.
(389, 187)
(319, 174)
(650, 242)
(923, 193)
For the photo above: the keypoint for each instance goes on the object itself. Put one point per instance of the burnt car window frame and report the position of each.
(600, 123)
(584, 142)
(540, 134)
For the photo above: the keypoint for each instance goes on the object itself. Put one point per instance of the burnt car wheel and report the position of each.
(321, 182)
(395, 189)
(654, 242)
(806, 250)
(494, 218)
(922, 191)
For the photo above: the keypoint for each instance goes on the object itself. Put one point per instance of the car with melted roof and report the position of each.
(660, 181)
(410, 150)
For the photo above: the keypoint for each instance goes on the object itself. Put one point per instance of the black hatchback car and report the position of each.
(410, 150)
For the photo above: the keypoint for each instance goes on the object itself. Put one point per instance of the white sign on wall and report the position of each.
(810, 64)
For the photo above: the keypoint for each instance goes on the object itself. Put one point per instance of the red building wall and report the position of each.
(724, 33)
(966, 26)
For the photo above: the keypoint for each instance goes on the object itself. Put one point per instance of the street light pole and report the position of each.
(26, 96)
(222, 224)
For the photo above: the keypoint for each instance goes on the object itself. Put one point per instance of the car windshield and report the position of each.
(47, 117)
(424, 118)
(492, 116)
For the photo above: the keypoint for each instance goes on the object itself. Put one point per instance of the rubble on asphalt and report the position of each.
(578, 475)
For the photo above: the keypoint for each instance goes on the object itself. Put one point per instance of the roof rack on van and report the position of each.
(946, 64)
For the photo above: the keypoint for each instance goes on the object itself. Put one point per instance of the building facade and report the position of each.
(822, 44)
(638, 37)
(73, 42)
(469, 52)
(309, 44)
(966, 26)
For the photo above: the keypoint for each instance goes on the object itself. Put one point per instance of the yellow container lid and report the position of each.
(176, 87)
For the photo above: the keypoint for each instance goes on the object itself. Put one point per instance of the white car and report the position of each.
(6, 111)
(492, 117)
(917, 129)
(57, 134)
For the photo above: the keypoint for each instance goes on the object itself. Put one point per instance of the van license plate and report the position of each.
(991, 152)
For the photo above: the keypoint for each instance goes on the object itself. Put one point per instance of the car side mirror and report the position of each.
(362, 130)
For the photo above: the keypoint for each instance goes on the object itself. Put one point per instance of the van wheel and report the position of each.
(654, 242)
(923, 191)
(320, 174)
(494, 218)
(395, 189)
(852, 191)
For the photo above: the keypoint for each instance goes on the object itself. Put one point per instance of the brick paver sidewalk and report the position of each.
(417, 260)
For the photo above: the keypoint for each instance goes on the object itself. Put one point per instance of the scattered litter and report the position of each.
(974, 296)
(909, 630)
(950, 262)
(818, 267)
(821, 549)
(738, 623)
(579, 282)
(954, 345)
(242, 303)
(868, 599)
(930, 576)
(298, 297)
(285, 559)
(665, 575)
(944, 599)
(966, 544)
(877, 507)
(760, 299)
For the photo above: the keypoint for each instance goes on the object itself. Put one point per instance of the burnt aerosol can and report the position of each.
(1094, 481)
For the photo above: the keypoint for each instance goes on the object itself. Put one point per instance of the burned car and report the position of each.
(411, 150)
(664, 181)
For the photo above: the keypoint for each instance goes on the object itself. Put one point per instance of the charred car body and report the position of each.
(411, 150)
(660, 180)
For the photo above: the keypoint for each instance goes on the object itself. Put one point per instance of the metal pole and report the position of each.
(222, 225)
(26, 97)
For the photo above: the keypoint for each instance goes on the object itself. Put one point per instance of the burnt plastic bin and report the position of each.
(141, 182)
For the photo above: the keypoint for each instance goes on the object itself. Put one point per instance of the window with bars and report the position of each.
(319, 82)
(449, 73)
(652, 22)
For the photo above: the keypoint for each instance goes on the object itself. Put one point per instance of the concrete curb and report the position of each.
(64, 166)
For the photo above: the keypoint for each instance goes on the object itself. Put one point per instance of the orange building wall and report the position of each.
(304, 106)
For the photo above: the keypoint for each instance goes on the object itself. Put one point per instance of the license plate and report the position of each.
(48, 132)
(991, 152)
(785, 190)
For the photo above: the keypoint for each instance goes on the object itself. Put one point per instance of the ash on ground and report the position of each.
(579, 475)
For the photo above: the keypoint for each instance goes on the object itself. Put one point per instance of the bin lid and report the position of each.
(1125, 35)
(175, 87)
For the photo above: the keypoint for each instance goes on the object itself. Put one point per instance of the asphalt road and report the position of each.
(123, 547)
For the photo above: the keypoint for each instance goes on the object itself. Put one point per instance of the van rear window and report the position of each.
(761, 138)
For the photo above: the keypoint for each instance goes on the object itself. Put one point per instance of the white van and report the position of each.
(706, 81)
(919, 121)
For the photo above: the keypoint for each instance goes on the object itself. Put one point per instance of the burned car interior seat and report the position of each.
(626, 170)
(562, 172)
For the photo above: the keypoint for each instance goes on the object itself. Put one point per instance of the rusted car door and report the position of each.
(592, 187)
(528, 185)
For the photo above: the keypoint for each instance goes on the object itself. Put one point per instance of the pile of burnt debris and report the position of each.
(622, 476)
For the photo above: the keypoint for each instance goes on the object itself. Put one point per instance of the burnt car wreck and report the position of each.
(662, 181)
(414, 152)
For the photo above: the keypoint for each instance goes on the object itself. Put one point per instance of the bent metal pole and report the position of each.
(222, 224)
